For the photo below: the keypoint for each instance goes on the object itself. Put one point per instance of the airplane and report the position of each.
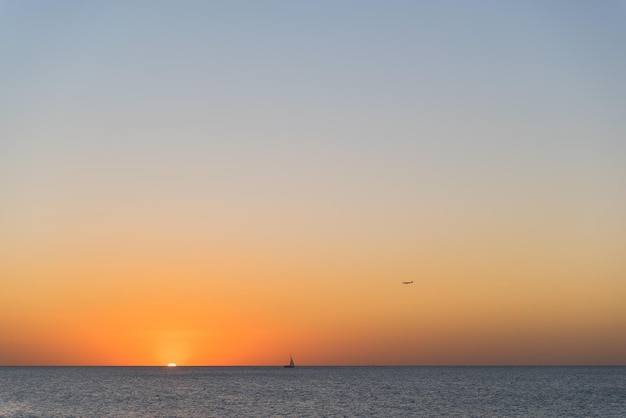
(411, 282)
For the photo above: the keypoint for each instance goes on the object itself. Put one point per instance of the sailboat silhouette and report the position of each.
(290, 365)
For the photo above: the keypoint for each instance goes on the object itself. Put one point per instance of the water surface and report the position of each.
(312, 391)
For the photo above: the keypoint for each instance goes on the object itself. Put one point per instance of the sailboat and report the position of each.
(290, 365)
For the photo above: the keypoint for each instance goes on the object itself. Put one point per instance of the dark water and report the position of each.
(313, 391)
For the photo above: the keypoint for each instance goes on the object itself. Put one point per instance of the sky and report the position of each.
(232, 182)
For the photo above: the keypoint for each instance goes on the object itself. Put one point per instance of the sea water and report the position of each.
(312, 391)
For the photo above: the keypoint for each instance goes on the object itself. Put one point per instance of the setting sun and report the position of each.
(171, 364)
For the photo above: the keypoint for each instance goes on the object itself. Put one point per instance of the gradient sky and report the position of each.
(226, 183)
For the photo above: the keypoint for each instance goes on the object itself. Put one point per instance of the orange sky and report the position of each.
(101, 294)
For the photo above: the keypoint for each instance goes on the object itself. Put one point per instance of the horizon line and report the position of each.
(316, 365)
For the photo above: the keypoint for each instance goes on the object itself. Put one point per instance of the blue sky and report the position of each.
(524, 92)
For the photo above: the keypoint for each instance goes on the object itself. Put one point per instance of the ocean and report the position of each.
(313, 391)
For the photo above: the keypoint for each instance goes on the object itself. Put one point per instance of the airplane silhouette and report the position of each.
(411, 282)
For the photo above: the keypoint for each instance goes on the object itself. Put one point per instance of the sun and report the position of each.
(171, 364)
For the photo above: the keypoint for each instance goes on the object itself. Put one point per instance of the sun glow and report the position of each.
(171, 364)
